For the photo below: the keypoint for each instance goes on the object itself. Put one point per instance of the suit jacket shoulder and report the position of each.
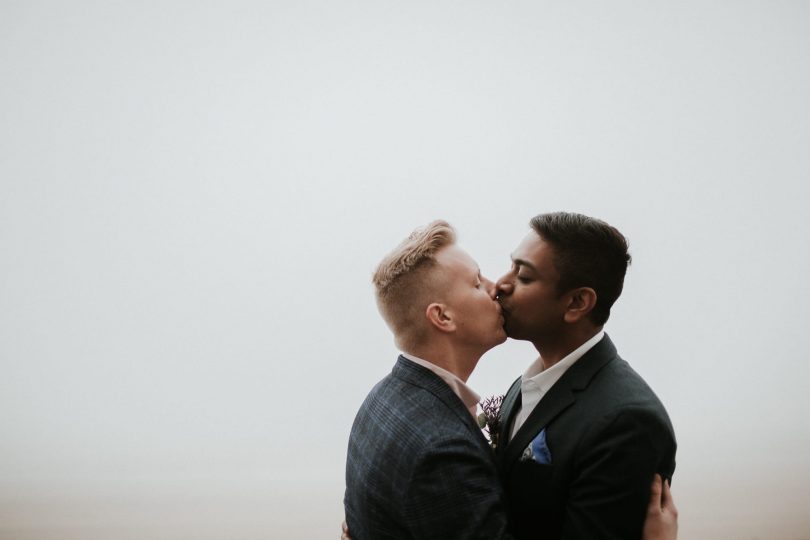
(417, 464)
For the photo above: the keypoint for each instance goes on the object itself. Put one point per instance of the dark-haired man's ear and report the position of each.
(438, 315)
(581, 302)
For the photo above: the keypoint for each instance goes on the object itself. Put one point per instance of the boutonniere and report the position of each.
(490, 419)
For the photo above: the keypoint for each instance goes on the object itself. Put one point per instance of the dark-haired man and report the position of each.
(583, 432)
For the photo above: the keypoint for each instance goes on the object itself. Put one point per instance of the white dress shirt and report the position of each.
(536, 382)
(459, 387)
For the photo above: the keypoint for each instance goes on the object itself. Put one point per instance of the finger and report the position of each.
(666, 497)
(655, 494)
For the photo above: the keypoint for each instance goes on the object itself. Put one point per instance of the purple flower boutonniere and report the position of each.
(490, 419)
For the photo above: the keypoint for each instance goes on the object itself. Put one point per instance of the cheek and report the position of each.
(530, 304)
(523, 297)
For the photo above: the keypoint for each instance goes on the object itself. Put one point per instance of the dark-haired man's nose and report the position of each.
(503, 287)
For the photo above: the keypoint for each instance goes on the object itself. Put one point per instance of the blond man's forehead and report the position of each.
(454, 256)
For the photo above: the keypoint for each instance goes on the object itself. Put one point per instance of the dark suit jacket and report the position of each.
(607, 434)
(418, 466)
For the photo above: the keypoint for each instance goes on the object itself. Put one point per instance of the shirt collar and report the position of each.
(544, 379)
(466, 394)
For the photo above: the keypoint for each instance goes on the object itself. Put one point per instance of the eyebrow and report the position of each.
(522, 262)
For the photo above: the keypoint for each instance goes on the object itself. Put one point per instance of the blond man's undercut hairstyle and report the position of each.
(405, 284)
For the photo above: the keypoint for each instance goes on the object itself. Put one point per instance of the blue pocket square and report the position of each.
(537, 450)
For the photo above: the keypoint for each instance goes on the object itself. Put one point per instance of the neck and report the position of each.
(460, 363)
(554, 349)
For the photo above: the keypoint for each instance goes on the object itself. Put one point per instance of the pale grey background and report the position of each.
(193, 196)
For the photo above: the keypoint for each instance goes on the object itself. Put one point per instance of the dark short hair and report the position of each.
(587, 253)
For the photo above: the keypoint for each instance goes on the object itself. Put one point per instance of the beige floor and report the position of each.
(736, 510)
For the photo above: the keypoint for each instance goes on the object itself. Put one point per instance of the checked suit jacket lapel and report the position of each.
(424, 378)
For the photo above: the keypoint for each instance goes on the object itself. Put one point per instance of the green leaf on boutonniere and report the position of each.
(490, 419)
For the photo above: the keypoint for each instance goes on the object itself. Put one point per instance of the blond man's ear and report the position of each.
(439, 317)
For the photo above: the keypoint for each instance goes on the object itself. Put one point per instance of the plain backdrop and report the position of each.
(193, 197)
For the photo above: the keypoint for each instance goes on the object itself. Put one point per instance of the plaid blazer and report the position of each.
(418, 465)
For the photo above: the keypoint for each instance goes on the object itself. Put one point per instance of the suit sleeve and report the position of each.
(611, 488)
(455, 494)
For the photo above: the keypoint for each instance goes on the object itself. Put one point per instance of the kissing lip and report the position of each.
(504, 315)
